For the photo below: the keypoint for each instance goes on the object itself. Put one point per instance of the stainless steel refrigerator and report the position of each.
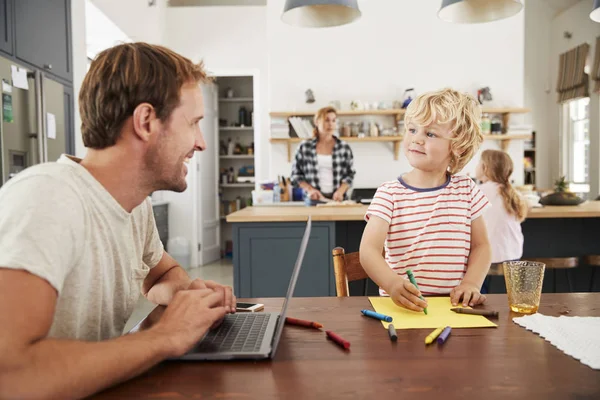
(35, 122)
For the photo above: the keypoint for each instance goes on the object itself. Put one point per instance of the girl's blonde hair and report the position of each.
(322, 114)
(498, 167)
(461, 110)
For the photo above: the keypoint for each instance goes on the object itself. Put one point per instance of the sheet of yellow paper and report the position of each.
(439, 315)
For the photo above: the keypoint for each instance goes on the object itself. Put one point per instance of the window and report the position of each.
(576, 145)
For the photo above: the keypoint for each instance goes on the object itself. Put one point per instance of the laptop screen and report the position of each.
(292, 286)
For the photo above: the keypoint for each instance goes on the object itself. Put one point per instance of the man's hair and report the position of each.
(461, 110)
(123, 77)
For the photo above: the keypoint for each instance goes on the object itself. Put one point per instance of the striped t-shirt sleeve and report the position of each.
(382, 205)
(479, 203)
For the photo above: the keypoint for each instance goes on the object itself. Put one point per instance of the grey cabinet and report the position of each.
(265, 253)
(43, 30)
(6, 26)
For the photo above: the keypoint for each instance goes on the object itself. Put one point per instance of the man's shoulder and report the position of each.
(44, 179)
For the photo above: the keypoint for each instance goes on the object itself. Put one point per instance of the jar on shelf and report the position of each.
(496, 126)
(486, 124)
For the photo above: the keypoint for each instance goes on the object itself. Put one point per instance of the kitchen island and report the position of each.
(266, 241)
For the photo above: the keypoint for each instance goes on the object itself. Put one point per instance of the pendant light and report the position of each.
(476, 11)
(595, 14)
(320, 13)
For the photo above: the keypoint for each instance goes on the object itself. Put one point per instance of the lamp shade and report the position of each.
(320, 13)
(595, 14)
(476, 11)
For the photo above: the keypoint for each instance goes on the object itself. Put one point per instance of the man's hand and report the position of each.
(189, 316)
(470, 295)
(406, 295)
(229, 300)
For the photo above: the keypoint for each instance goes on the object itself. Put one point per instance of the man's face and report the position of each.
(177, 141)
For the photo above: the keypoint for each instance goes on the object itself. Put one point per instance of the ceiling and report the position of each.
(203, 3)
(559, 6)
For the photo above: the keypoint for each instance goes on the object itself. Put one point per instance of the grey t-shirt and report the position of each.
(59, 223)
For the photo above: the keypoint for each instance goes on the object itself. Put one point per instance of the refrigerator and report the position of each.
(35, 121)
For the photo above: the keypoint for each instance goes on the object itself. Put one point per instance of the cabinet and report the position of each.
(42, 33)
(6, 26)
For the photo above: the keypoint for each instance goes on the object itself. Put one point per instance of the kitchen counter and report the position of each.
(266, 242)
(589, 209)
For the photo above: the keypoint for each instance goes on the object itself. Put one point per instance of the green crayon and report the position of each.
(412, 280)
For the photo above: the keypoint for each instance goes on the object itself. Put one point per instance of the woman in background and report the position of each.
(324, 166)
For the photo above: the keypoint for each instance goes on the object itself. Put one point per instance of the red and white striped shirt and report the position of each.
(429, 229)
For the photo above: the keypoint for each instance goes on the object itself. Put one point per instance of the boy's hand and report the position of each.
(470, 295)
(406, 295)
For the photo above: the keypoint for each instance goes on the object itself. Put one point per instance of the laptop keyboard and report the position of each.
(237, 333)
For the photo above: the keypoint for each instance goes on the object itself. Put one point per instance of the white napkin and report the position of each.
(578, 337)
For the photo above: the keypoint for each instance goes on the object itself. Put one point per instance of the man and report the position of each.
(78, 241)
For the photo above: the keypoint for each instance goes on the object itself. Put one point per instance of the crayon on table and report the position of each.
(338, 339)
(433, 335)
(392, 333)
(412, 280)
(376, 315)
(444, 335)
(485, 313)
(301, 322)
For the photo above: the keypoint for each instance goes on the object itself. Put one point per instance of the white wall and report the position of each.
(577, 21)
(79, 65)
(136, 18)
(395, 45)
(539, 84)
(228, 39)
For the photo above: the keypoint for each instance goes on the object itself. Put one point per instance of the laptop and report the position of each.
(242, 335)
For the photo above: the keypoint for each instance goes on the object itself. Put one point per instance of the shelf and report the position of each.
(390, 139)
(395, 111)
(504, 141)
(237, 185)
(238, 157)
(235, 128)
(529, 149)
(236, 100)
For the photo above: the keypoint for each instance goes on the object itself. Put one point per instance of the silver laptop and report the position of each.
(242, 335)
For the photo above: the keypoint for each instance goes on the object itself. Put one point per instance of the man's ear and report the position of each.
(143, 116)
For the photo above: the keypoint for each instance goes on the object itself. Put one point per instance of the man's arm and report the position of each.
(68, 369)
(168, 277)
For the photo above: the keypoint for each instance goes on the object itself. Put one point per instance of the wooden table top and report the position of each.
(588, 209)
(503, 362)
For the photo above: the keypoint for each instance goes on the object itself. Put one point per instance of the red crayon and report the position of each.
(301, 322)
(344, 343)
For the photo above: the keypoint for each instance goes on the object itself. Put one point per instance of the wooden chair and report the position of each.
(594, 262)
(557, 263)
(347, 268)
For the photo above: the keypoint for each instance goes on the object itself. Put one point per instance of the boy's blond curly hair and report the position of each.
(461, 110)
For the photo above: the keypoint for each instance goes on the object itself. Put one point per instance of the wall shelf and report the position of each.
(237, 185)
(236, 100)
(235, 128)
(504, 141)
(391, 139)
(237, 157)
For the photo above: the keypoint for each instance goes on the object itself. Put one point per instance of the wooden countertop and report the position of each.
(589, 209)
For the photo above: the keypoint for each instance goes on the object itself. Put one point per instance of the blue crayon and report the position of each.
(376, 315)
(444, 335)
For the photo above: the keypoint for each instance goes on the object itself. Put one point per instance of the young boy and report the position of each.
(428, 219)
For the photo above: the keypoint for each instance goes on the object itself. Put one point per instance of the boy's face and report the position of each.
(427, 148)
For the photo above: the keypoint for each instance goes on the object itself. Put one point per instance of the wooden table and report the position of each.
(504, 362)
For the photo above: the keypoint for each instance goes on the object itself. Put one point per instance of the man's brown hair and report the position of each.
(123, 77)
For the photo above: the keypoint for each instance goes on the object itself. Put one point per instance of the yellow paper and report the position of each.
(439, 315)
